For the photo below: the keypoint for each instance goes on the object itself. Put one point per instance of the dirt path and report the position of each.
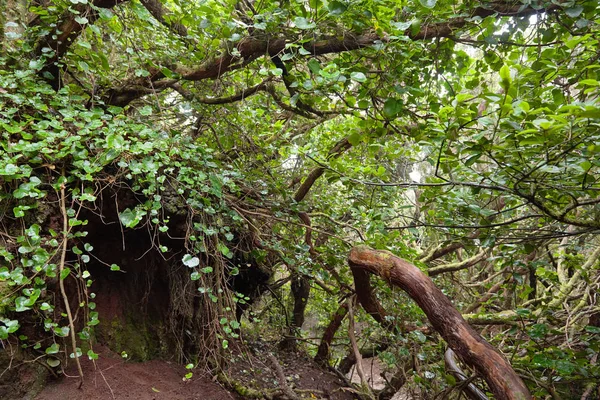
(114, 378)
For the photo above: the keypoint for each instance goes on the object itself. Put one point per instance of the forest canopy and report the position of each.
(229, 167)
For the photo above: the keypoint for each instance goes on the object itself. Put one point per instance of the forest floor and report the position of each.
(112, 377)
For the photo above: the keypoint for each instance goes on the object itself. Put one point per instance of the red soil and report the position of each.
(114, 378)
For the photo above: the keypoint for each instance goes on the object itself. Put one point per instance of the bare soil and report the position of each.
(112, 377)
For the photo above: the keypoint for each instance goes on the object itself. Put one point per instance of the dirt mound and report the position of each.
(112, 377)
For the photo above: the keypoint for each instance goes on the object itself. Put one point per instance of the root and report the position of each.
(281, 378)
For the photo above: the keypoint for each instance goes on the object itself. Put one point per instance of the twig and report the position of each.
(61, 283)
(361, 374)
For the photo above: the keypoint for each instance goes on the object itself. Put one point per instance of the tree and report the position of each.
(179, 156)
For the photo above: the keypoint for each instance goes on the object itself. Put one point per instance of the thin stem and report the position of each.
(61, 282)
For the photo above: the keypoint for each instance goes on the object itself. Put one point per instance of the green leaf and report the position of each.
(190, 261)
(336, 7)
(428, 3)
(53, 362)
(314, 66)
(505, 79)
(358, 77)
(9, 169)
(130, 218)
(355, 138)
(22, 304)
(303, 23)
(145, 111)
(392, 107)
(65, 272)
(574, 11)
(53, 349)
(91, 355)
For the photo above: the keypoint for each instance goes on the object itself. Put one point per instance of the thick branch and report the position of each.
(157, 10)
(64, 33)
(322, 357)
(251, 48)
(466, 342)
(337, 150)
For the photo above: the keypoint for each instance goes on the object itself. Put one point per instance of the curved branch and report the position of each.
(64, 33)
(337, 150)
(445, 318)
(251, 48)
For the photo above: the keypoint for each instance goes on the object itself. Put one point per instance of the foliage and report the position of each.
(426, 125)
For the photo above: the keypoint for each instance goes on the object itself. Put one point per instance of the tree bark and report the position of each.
(322, 356)
(445, 319)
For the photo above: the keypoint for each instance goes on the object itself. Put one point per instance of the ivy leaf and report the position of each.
(53, 362)
(130, 218)
(145, 111)
(22, 304)
(355, 138)
(190, 261)
(65, 272)
(428, 3)
(314, 66)
(53, 349)
(303, 23)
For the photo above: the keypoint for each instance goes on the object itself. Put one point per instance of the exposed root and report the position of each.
(282, 380)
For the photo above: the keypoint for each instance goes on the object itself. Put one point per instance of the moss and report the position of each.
(244, 391)
(134, 337)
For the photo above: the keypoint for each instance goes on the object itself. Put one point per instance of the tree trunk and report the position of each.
(300, 291)
(445, 319)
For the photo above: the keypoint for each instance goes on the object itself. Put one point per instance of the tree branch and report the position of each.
(64, 33)
(445, 318)
(157, 10)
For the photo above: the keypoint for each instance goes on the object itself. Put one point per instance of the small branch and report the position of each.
(245, 93)
(361, 374)
(61, 282)
(458, 265)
